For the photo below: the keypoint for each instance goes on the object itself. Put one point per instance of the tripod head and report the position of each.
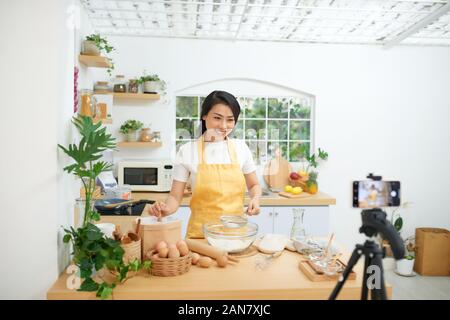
(374, 222)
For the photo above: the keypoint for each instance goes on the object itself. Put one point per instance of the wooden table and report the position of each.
(281, 280)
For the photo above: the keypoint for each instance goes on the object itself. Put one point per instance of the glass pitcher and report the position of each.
(88, 103)
(298, 228)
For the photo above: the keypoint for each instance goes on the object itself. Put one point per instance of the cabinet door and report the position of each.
(183, 213)
(264, 220)
(316, 220)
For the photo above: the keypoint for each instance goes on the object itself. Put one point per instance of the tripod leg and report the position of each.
(356, 254)
(379, 293)
(364, 289)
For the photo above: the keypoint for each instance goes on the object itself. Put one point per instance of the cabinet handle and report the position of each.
(270, 214)
(276, 214)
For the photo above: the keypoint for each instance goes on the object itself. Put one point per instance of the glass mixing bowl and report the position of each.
(231, 240)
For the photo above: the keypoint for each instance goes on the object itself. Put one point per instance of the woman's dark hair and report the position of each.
(217, 97)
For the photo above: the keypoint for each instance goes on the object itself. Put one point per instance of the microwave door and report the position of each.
(141, 176)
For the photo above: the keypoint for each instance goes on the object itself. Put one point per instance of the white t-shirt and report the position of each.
(186, 161)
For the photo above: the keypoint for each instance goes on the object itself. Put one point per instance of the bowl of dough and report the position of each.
(231, 239)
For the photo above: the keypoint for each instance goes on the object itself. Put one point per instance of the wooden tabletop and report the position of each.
(306, 199)
(281, 280)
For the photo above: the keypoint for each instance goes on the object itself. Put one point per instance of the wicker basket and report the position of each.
(297, 183)
(132, 251)
(170, 267)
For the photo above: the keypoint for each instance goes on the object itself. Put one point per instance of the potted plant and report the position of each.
(94, 44)
(130, 129)
(152, 83)
(405, 266)
(306, 177)
(92, 250)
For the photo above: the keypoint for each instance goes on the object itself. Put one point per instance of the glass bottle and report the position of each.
(298, 228)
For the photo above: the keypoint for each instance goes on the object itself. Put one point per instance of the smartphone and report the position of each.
(376, 194)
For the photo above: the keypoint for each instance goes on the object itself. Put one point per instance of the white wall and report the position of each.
(381, 111)
(36, 60)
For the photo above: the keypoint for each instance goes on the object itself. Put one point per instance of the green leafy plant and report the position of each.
(130, 126)
(92, 250)
(396, 218)
(103, 45)
(94, 141)
(153, 77)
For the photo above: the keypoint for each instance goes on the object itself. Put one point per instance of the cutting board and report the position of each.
(290, 195)
(276, 172)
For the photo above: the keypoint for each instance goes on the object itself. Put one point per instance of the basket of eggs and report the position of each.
(170, 260)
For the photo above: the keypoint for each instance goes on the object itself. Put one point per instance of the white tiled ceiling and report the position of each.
(380, 22)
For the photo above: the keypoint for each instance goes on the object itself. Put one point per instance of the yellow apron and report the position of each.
(219, 190)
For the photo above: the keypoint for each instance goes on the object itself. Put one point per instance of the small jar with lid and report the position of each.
(120, 84)
(133, 86)
(102, 87)
(156, 136)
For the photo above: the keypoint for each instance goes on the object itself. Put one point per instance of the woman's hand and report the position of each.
(158, 209)
(253, 206)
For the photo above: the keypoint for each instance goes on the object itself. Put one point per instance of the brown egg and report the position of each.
(181, 243)
(205, 262)
(173, 251)
(195, 258)
(222, 261)
(183, 248)
(155, 257)
(163, 253)
(160, 245)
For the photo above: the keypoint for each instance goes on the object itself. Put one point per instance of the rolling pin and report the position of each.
(207, 250)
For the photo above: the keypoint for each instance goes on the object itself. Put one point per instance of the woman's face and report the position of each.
(219, 122)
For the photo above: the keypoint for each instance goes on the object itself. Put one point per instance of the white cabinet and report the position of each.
(264, 220)
(277, 220)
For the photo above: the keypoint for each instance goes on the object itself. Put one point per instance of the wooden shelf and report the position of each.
(136, 96)
(139, 144)
(94, 61)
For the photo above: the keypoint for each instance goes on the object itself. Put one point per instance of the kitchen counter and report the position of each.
(272, 199)
(281, 280)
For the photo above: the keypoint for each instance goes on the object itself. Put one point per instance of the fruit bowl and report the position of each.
(297, 183)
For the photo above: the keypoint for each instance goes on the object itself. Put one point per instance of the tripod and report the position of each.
(373, 222)
(373, 260)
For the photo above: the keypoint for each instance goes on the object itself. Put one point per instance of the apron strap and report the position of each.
(201, 150)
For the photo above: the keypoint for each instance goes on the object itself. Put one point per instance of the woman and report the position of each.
(220, 169)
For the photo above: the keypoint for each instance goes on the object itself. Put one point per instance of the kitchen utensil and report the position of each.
(276, 172)
(230, 239)
(124, 209)
(328, 245)
(207, 250)
(234, 221)
(134, 236)
(118, 204)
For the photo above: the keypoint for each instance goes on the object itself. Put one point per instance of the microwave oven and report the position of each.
(146, 175)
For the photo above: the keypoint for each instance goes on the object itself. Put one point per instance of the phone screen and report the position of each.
(375, 194)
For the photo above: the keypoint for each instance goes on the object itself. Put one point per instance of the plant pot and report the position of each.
(150, 87)
(131, 136)
(405, 267)
(90, 49)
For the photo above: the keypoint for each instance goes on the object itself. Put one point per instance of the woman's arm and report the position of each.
(255, 191)
(172, 202)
